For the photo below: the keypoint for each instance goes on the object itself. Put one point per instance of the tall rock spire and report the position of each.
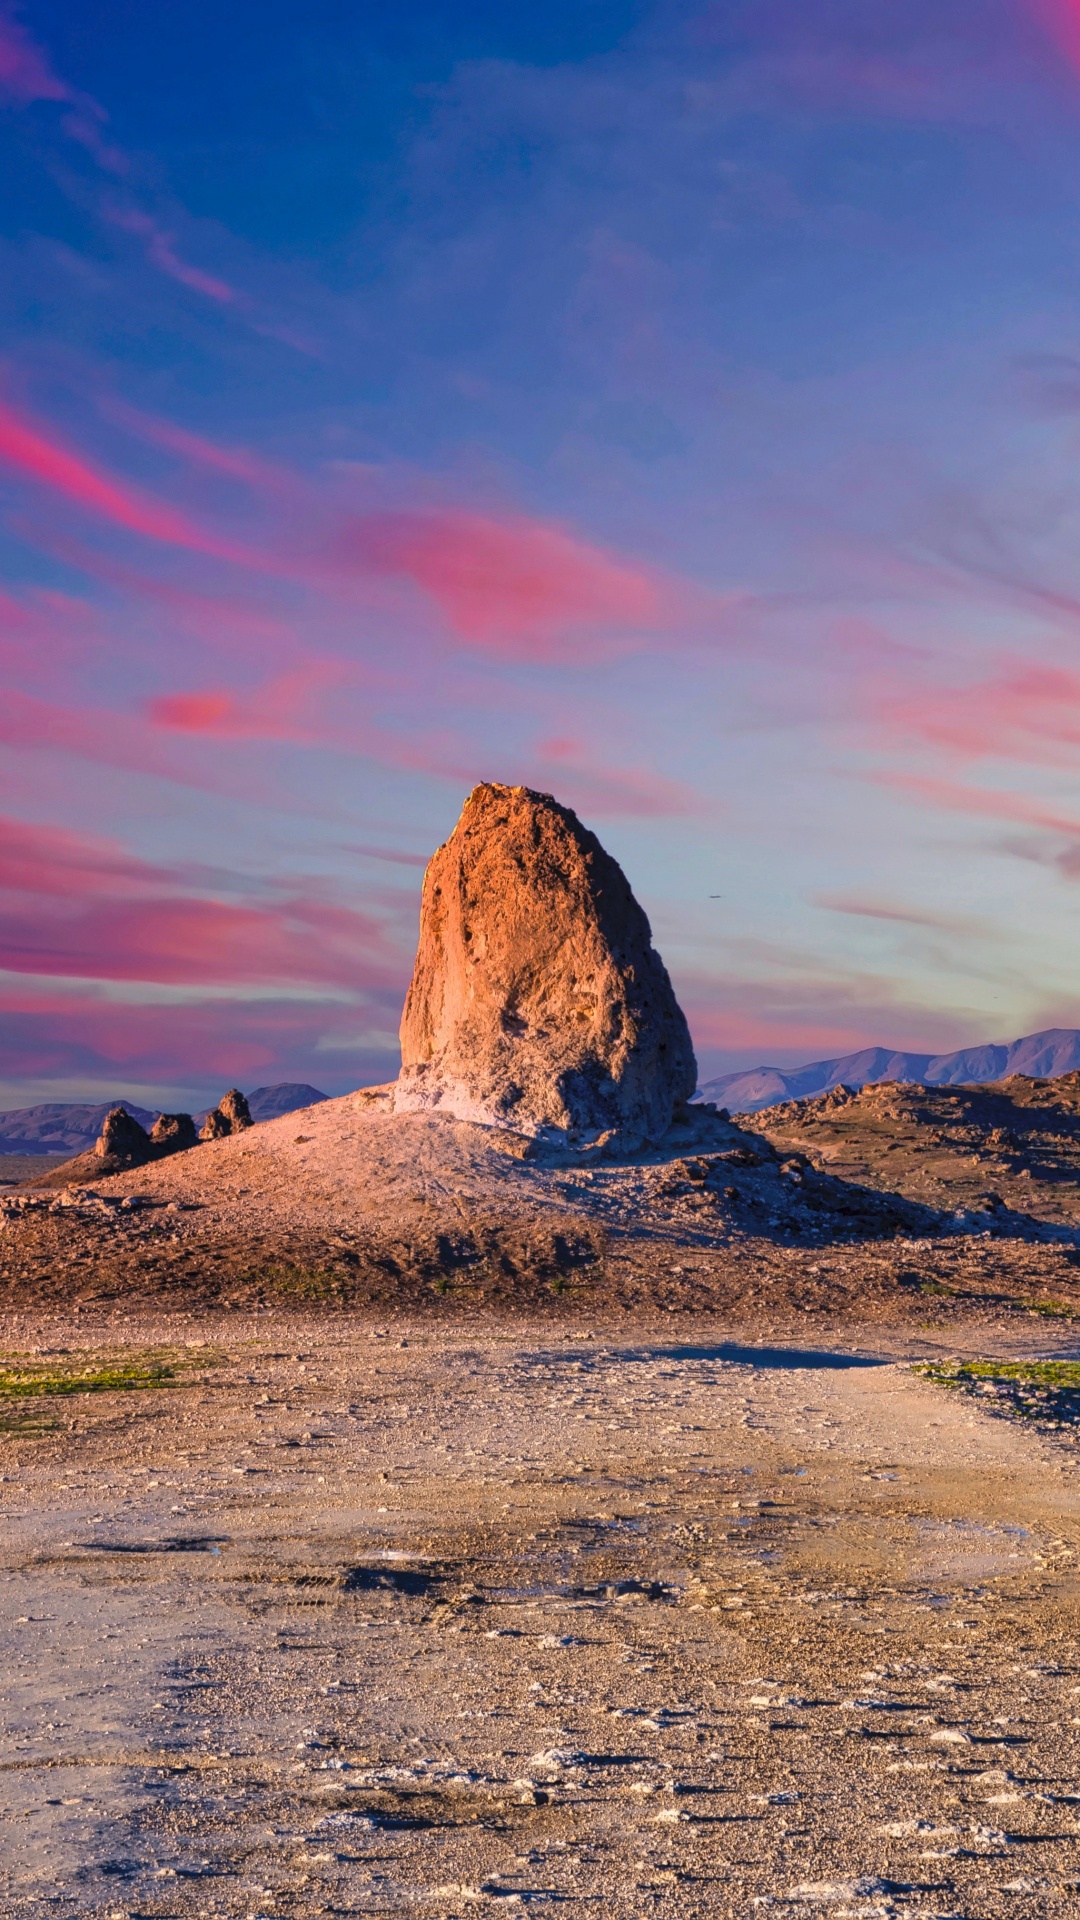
(538, 1001)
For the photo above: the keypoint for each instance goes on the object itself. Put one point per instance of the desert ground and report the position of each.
(400, 1521)
(354, 1615)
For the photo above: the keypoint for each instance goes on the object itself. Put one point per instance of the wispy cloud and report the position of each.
(906, 916)
(234, 463)
(84, 908)
(988, 803)
(803, 1016)
(595, 786)
(40, 457)
(26, 74)
(161, 252)
(66, 1039)
(1026, 711)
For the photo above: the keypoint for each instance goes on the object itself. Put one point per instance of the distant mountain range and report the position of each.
(1042, 1056)
(69, 1128)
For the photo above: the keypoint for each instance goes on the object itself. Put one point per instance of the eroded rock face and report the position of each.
(538, 1001)
(231, 1115)
(122, 1140)
(172, 1133)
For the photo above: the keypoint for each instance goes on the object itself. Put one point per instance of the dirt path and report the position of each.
(373, 1619)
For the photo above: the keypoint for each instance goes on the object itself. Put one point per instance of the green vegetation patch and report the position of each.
(25, 1376)
(1045, 1390)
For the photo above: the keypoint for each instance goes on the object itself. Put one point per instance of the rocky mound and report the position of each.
(538, 1002)
(362, 1204)
(1008, 1153)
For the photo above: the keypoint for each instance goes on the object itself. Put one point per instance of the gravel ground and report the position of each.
(374, 1615)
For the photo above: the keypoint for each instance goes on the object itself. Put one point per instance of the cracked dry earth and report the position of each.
(365, 1619)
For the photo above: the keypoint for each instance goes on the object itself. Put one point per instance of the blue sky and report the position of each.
(675, 408)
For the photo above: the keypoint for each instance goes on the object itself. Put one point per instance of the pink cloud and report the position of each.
(124, 741)
(37, 456)
(578, 775)
(151, 744)
(270, 715)
(284, 709)
(45, 628)
(1018, 713)
(25, 73)
(793, 1034)
(84, 908)
(516, 587)
(178, 742)
(983, 802)
(79, 1033)
(837, 80)
(196, 712)
(1061, 20)
(290, 708)
(246, 624)
(903, 915)
(52, 860)
(26, 76)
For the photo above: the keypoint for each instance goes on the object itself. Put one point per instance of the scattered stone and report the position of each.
(538, 1002)
(231, 1115)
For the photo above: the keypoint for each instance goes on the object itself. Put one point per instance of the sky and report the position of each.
(672, 407)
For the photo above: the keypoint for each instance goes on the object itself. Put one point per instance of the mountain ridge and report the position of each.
(1039, 1056)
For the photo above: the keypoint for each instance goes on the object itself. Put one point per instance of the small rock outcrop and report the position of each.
(538, 1001)
(231, 1115)
(122, 1141)
(121, 1145)
(172, 1133)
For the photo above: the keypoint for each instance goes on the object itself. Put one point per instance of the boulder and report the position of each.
(538, 1002)
(172, 1133)
(231, 1115)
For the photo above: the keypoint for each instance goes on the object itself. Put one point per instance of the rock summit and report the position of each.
(231, 1115)
(122, 1142)
(538, 1002)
